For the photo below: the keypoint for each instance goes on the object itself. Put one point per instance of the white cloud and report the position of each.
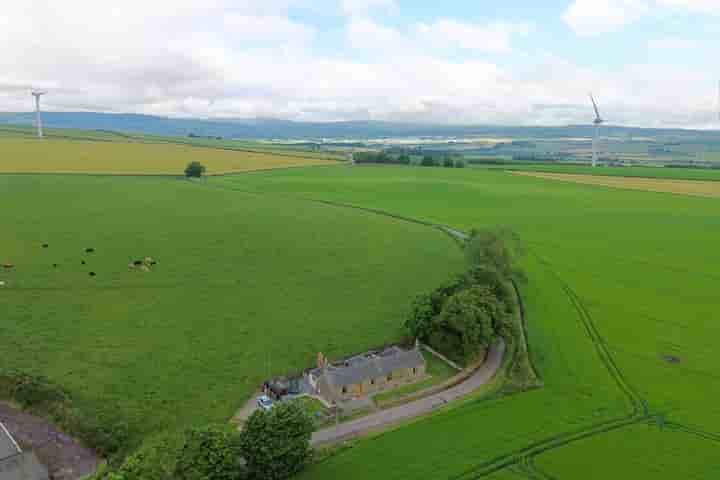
(594, 17)
(494, 37)
(363, 7)
(702, 6)
(672, 43)
(230, 58)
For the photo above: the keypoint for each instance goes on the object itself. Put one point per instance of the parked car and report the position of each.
(265, 403)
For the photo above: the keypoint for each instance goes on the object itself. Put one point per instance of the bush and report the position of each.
(276, 444)
(194, 170)
(460, 163)
(210, 453)
(448, 162)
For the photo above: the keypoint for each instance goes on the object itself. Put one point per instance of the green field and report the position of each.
(620, 300)
(246, 287)
(258, 272)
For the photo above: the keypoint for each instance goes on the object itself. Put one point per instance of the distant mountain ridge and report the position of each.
(287, 129)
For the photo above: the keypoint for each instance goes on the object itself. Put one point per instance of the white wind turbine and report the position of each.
(596, 139)
(38, 121)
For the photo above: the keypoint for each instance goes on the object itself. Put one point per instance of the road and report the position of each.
(391, 416)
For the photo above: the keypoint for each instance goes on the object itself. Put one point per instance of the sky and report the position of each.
(513, 62)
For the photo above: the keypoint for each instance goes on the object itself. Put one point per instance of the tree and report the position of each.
(468, 315)
(194, 170)
(404, 159)
(210, 453)
(497, 249)
(460, 163)
(448, 162)
(427, 161)
(276, 444)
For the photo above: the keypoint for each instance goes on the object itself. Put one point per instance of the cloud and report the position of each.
(672, 43)
(494, 37)
(594, 17)
(364, 7)
(701, 6)
(231, 58)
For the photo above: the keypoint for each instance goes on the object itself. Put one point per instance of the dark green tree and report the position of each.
(194, 170)
(428, 161)
(448, 162)
(498, 249)
(210, 453)
(460, 163)
(276, 444)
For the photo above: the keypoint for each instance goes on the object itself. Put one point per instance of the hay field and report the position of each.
(621, 302)
(246, 287)
(19, 155)
(681, 187)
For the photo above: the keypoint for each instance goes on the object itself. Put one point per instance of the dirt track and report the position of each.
(697, 188)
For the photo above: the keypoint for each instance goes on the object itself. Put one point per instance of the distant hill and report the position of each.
(286, 129)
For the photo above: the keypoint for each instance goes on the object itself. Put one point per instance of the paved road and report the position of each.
(410, 410)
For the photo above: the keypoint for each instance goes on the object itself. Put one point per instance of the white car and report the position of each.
(265, 403)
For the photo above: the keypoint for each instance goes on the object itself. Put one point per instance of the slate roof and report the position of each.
(8, 447)
(360, 368)
(16, 464)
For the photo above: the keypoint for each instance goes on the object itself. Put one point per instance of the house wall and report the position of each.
(399, 378)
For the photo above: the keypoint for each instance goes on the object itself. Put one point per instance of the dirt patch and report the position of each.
(697, 188)
(671, 358)
(65, 458)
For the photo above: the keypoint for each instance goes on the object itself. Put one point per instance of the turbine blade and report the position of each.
(597, 112)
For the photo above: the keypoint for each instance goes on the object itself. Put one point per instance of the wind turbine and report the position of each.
(596, 139)
(38, 121)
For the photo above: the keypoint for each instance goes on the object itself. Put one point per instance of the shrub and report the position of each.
(276, 444)
(210, 453)
(194, 170)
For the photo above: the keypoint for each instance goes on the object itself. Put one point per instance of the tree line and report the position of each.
(427, 160)
(462, 317)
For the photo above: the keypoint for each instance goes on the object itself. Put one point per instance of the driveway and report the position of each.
(391, 416)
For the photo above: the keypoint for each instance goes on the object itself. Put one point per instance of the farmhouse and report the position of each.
(16, 464)
(367, 373)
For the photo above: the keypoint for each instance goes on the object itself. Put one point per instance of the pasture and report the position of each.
(620, 301)
(246, 286)
(708, 175)
(53, 155)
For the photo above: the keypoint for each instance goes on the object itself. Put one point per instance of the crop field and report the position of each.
(631, 172)
(245, 287)
(620, 305)
(697, 188)
(28, 155)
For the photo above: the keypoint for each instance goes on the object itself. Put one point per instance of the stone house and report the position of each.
(367, 373)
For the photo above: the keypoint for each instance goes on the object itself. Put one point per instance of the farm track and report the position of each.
(523, 460)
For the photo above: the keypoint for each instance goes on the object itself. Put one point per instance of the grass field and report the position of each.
(246, 287)
(620, 302)
(696, 188)
(19, 155)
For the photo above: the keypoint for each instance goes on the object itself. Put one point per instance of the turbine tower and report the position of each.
(38, 121)
(596, 139)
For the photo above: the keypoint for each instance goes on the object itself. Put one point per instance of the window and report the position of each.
(389, 378)
(344, 390)
(372, 381)
(414, 371)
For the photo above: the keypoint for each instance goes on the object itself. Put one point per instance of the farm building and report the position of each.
(16, 464)
(367, 373)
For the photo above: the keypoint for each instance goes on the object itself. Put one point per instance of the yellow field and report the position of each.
(697, 188)
(71, 156)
